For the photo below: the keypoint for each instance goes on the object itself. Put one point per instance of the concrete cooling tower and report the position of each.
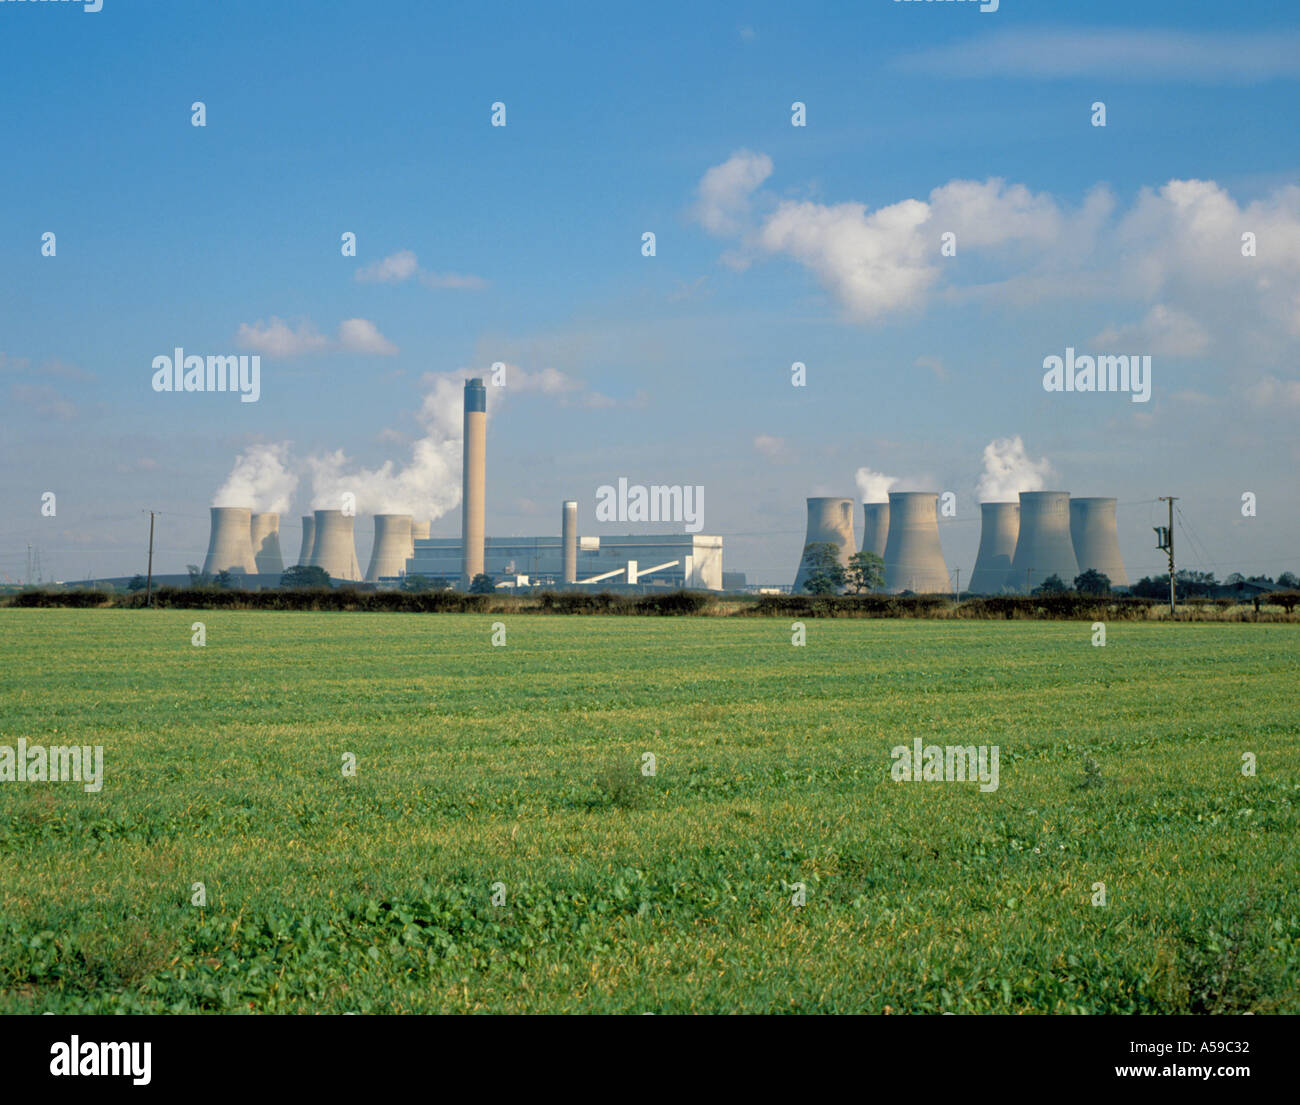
(875, 527)
(392, 546)
(1096, 543)
(419, 532)
(474, 475)
(1044, 547)
(569, 540)
(265, 534)
(913, 555)
(830, 521)
(333, 548)
(999, 528)
(308, 540)
(230, 547)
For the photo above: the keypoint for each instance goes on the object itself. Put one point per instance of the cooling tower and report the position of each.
(1096, 544)
(474, 471)
(999, 528)
(265, 534)
(1044, 547)
(392, 546)
(831, 521)
(913, 555)
(569, 540)
(875, 527)
(230, 548)
(333, 547)
(419, 532)
(308, 540)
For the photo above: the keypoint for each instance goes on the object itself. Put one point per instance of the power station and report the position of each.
(1021, 544)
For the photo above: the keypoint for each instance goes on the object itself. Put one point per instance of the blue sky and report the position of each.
(332, 117)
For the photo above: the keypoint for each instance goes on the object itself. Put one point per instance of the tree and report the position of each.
(1092, 582)
(137, 583)
(825, 572)
(1194, 584)
(300, 575)
(866, 572)
(225, 580)
(1235, 579)
(1053, 585)
(1149, 587)
(1289, 580)
(482, 585)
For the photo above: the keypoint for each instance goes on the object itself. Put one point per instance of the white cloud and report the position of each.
(722, 201)
(278, 339)
(1269, 391)
(1009, 470)
(774, 448)
(359, 335)
(1164, 331)
(1204, 57)
(401, 266)
(393, 269)
(1177, 251)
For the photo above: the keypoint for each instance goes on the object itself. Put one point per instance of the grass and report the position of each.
(626, 892)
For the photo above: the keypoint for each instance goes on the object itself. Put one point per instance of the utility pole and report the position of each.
(148, 583)
(956, 592)
(1165, 540)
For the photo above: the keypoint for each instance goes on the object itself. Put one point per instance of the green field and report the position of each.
(629, 893)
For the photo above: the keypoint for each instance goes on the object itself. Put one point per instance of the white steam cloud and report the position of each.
(1008, 470)
(428, 484)
(873, 487)
(261, 479)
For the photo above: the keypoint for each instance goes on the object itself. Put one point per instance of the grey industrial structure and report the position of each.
(999, 530)
(913, 556)
(875, 528)
(230, 543)
(830, 521)
(1096, 540)
(474, 477)
(265, 535)
(1044, 547)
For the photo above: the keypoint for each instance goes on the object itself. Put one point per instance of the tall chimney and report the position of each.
(913, 556)
(474, 474)
(830, 521)
(392, 546)
(265, 534)
(1044, 546)
(1096, 542)
(999, 528)
(334, 548)
(230, 545)
(569, 540)
(308, 540)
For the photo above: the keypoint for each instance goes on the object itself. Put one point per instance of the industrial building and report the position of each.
(1044, 546)
(672, 560)
(999, 530)
(830, 521)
